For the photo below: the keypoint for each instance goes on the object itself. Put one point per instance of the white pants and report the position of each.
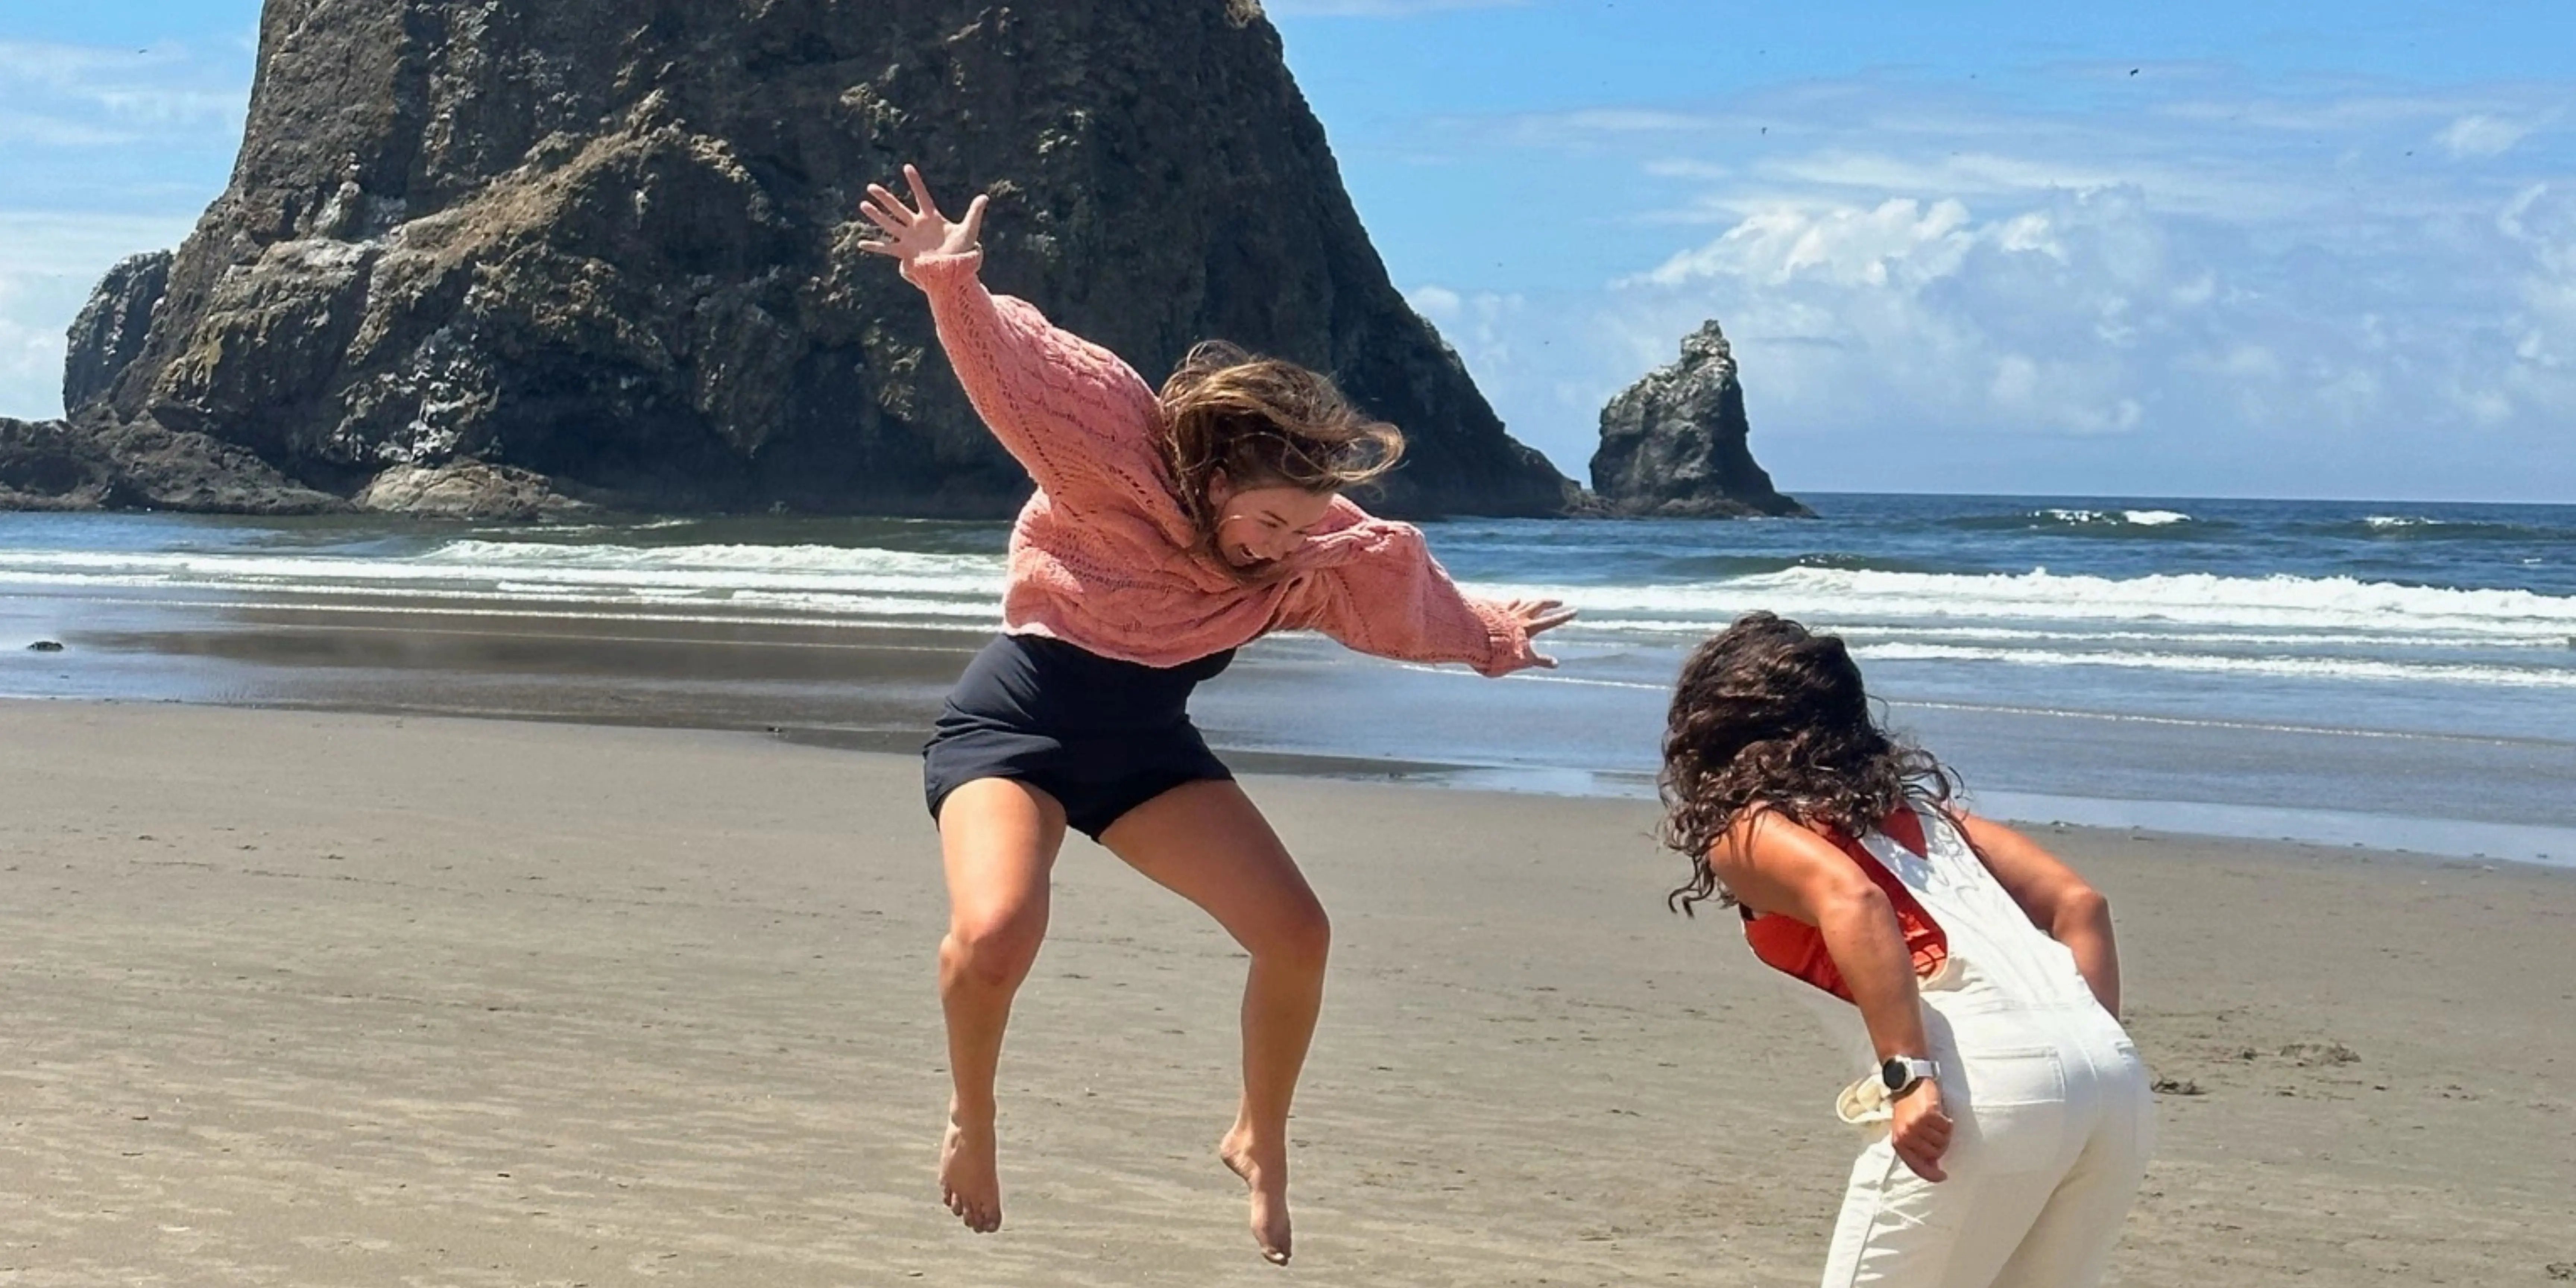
(2054, 1120)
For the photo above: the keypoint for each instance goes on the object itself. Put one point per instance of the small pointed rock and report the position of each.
(1673, 445)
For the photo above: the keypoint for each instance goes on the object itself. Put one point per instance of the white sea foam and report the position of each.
(2279, 625)
(805, 560)
(2154, 518)
(2287, 667)
(2036, 606)
(518, 569)
(582, 609)
(1989, 633)
(2277, 603)
(2104, 518)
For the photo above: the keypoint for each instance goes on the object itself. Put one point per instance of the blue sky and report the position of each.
(2186, 249)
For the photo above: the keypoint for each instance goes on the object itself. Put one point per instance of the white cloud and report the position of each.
(2093, 314)
(2541, 222)
(25, 349)
(1486, 327)
(2480, 135)
(1438, 303)
(39, 129)
(81, 246)
(107, 151)
(2034, 320)
(49, 263)
(1689, 169)
(79, 95)
(1841, 245)
(31, 347)
(2176, 185)
(2339, 109)
(2294, 280)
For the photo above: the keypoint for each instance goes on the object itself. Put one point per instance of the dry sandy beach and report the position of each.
(310, 999)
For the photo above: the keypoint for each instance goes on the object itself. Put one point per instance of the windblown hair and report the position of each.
(1770, 714)
(1265, 423)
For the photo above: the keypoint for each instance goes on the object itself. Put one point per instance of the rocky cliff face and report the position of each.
(613, 243)
(108, 335)
(1673, 445)
(52, 465)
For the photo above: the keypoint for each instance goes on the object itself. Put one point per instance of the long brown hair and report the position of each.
(1264, 423)
(1770, 713)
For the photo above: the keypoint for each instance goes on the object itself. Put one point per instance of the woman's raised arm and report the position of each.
(1071, 412)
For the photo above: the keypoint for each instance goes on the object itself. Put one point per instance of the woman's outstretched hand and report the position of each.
(1535, 615)
(919, 229)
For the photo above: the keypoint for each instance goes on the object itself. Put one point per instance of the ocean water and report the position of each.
(2393, 674)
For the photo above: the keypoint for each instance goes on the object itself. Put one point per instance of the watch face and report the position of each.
(1893, 1074)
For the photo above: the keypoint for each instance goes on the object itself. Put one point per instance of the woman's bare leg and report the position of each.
(999, 838)
(1206, 842)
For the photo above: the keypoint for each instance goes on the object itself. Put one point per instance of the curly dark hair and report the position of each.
(1768, 713)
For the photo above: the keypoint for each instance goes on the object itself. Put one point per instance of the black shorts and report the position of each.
(1100, 735)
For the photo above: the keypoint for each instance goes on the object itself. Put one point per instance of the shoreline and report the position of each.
(312, 998)
(1291, 705)
(902, 727)
(2030, 812)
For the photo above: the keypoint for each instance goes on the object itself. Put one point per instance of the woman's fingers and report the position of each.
(918, 228)
(1921, 1134)
(920, 192)
(1923, 1159)
(891, 204)
(871, 212)
(887, 249)
(1541, 614)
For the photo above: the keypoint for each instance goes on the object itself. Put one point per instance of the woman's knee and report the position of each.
(1296, 933)
(996, 946)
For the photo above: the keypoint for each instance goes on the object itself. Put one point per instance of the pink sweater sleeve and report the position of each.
(1077, 418)
(1392, 599)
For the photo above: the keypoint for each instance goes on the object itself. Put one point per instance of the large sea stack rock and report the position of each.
(1673, 445)
(613, 243)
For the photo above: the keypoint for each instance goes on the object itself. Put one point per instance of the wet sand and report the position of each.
(328, 999)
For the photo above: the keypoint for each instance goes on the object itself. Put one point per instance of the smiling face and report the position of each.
(1259, 526)
(1256, 449)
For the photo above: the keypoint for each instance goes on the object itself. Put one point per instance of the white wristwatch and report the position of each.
(1900, 1074)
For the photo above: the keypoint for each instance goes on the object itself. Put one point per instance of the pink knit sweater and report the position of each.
(1103, 556)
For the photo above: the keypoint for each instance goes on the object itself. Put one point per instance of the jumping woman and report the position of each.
(2008, 1116)
(1167, 531)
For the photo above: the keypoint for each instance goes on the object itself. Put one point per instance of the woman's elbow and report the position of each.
(1857, 908)
(2083, 906)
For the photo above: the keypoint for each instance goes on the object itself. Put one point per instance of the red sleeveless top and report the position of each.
(1797, 949)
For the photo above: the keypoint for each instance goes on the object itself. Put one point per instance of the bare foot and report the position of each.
(968, 1181)
(1264, 1169)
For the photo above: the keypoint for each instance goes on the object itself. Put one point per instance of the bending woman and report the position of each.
(1167, 530)
(2008, 1115)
